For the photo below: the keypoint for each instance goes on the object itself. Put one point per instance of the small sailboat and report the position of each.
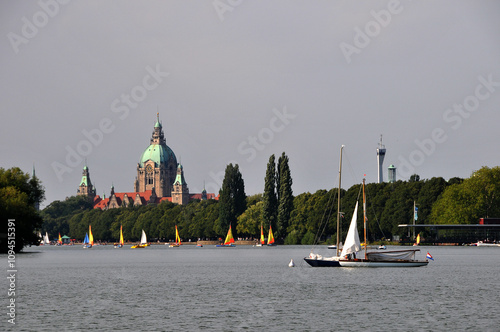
(177, 239)
(46, 238)
(395, 258)
(262, 239)
(88, 242)
(270, 238)
(144, 242)
(59, 241)
(417, 242)
(229, 241)
(120, 244)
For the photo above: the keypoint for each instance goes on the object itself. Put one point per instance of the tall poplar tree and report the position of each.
(285, 196)
(270, 208)
(232, 199)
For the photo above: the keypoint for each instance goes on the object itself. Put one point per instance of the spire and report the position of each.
(33, 171)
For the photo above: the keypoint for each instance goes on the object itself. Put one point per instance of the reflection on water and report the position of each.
(250, 288)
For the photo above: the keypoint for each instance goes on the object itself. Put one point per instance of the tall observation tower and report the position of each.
(380, 160)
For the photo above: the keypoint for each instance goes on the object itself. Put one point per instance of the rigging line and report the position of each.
(373, 210)
(324, 222)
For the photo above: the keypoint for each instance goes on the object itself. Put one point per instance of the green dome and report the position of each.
(159, 153)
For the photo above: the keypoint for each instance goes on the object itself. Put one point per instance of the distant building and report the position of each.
(391, 173)
(159, 178)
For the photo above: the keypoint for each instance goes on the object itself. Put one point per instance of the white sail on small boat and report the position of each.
(144, 241)
(46, 238)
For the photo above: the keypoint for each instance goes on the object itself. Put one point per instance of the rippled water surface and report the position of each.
(250, 288)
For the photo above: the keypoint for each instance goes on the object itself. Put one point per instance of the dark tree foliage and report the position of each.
(285, 196)
(232, 199)
(270, 199)
(19, 194)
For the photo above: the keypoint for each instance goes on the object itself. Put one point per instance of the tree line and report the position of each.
(300, 219)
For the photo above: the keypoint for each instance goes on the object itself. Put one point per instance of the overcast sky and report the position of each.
(236, 81)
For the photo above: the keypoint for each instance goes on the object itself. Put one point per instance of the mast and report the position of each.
(364, 217)
(338, 203)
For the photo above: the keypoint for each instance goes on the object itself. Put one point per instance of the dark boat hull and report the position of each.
(321, 263)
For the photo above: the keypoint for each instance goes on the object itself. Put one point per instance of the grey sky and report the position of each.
(298, 76)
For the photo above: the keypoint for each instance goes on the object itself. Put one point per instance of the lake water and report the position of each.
(249, 288)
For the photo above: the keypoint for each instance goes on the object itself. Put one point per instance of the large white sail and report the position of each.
(46, 238)
(144, 240)
(352, 243)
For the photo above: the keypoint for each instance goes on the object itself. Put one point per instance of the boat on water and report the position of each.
(144, 242)
(316, 260)
(352, 246)
(46, 240)
(229, 241)
(88, 242)
(382, 247)
(120, 244)
(270, 237)
(59, 241)
(262, 239)
(177, 239)
(485, 244)
(417, 241)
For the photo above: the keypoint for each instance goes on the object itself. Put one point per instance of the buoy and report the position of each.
(291, 264)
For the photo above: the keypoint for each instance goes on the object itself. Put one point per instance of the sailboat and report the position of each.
(120, 244)
(417, 242)
(59, 242)
(229, 241)
(262, 239)
(177, 239)
(46, 238)
(316, 260)
(144, 242)
(91, 237)
(88, 242)
(394, 258)
(270, 238)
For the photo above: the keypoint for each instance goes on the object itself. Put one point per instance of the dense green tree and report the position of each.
(269, 197)
(232, 199)
(285, 196)
(19, 194)
(250, 221)
(474, 198)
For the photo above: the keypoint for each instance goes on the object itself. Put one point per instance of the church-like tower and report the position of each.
(86, 188)
(157, 167)
(180, 192)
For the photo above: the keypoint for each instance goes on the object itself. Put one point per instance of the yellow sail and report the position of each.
(417, 242)
(91, 237)
(229, 237)
(60, 239)
(262, 239)
(121, 235)
(177, 237)
(270, 238)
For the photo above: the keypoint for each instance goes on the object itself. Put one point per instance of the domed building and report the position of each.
(159, 178)
(158, 165)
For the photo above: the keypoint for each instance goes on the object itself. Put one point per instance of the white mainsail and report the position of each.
(46, 238)
(352, 243)
(144, 240)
